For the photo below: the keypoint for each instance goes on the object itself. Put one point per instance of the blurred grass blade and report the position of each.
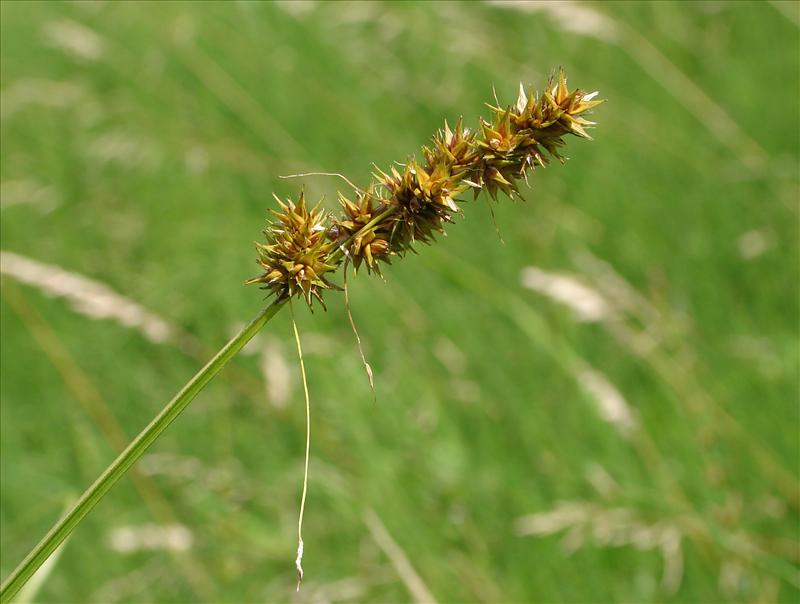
(31, 589)
(126, 459)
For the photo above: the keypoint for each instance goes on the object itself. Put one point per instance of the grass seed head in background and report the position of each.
(403, 207)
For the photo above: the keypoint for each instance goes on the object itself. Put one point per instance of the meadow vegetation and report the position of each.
(603, 407)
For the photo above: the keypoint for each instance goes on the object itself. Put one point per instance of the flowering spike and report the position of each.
(297, 254)
(411, 204)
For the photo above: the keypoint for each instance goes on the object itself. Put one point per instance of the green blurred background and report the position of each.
(602, 408)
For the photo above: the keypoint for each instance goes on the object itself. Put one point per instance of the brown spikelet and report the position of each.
(364, 238)
(456, 148)
(519, 135)
(296, 256)
(423, 200)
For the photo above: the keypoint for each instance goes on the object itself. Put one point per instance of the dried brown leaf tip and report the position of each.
(296, 256)
(412, 202)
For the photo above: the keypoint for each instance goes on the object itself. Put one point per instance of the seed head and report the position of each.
(556, 113)
(518, 135)
(456, 148)
(411, 204)
(423, 199)
(502, 156)
(360, 230)
(296, 256)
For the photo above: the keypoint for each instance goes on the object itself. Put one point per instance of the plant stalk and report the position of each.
(133, 452)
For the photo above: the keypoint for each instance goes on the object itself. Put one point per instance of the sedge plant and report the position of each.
(305, 246)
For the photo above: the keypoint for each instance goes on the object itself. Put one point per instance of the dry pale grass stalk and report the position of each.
(86, 296)
(405, 570)
(299, 561)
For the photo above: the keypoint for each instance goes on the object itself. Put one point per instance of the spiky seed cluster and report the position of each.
(516, 138)
(423, 199)
(555, 114)
(455, 148)
(297, 254)
(412, 204)
(367, 236)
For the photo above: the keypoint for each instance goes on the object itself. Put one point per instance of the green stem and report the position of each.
(134, 451)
